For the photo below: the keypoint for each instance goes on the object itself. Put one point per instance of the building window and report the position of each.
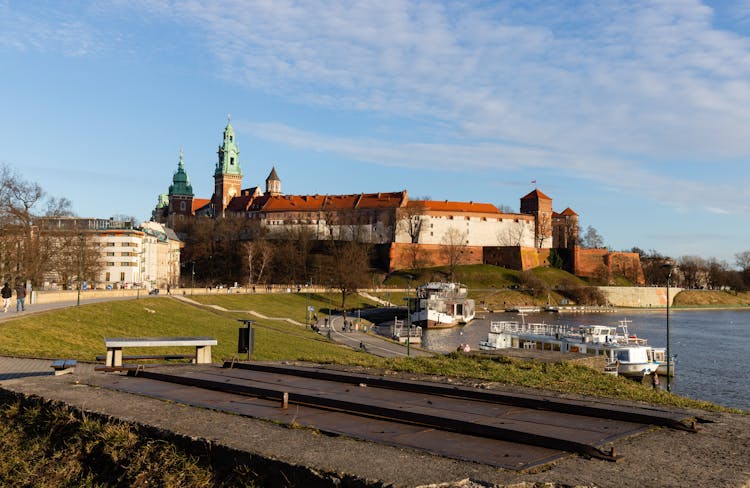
(110, 254)
(122, 276)
(106, 276)
(182, 206)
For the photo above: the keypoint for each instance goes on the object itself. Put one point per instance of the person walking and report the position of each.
(20, 297)
(6, 293)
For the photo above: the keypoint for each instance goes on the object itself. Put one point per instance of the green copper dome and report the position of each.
(229, 154)
(163, 201)
(180, 181)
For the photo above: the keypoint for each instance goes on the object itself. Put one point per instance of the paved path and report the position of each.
(374, 344)
(16, 367)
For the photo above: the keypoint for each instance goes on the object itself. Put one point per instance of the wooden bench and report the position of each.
(115, 345)
(63, 366)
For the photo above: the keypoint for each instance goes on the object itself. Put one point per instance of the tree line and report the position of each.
(30, 252)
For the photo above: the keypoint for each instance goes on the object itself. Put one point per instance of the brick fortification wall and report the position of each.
(429, 255)
(586, 262)
(516, 257)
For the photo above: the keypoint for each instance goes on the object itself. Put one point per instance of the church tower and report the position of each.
(228, 174)
(273, 184)
(539, 205)
(180, 191)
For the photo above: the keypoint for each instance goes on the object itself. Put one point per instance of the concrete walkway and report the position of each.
(373, 344)
(45, 307)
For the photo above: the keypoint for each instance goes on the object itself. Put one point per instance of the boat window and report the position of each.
(623, 355)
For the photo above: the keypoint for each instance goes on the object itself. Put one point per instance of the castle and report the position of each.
(414, 233)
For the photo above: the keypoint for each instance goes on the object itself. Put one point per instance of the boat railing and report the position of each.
(511, 327)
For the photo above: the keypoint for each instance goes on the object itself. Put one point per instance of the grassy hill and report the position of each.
(711, 298)
(78, 332)
(492, 287)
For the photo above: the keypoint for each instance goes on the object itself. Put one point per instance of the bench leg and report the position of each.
(114, 357)
(203, 354)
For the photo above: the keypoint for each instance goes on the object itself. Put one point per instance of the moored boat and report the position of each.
(625, 353)
(440, 305)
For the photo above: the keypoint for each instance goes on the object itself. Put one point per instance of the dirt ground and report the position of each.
(719, 455)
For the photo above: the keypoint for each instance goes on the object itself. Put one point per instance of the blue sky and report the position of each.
(635, 114)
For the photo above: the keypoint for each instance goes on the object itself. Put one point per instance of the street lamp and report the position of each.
(671, 267)
(408, 316)
(307, 304)
(80, 270)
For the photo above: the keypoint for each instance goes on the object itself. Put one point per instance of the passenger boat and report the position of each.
(440, 305)
(625, 353)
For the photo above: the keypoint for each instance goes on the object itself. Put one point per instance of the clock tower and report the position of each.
(228, 174)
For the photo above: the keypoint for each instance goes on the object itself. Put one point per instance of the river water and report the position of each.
(712, 346)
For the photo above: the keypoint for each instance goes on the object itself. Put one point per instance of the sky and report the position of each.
(634, 114)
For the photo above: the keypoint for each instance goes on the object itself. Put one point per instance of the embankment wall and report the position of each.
(639, 296)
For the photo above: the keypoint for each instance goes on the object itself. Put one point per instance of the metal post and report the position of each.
(192, 290)
(307, 304)
(671, 267)
(80, 271)
(408, 318)
(669, 356)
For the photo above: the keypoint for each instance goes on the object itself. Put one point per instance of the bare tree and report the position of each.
(694, 271)
(543, 228)
(22, 255)
(411, 222)
(742, 259)
(454, 243)
(75, 257)
(348, 262)
(511, 235)
(592, 239)
(259, 254)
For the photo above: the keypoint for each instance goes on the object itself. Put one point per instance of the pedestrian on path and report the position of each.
(20, 298)
(6, 293)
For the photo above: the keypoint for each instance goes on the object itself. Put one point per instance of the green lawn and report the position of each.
(78, 332)
(289, 305)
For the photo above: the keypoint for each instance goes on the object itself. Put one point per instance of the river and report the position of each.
(712, 347)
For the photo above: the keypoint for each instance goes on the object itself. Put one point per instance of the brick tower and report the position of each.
(228, 174)
(539, 205)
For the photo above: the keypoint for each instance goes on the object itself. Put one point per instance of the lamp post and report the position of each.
(671, 267)
(408, 317)
(307, 304)
(192, 274)
(80, 270)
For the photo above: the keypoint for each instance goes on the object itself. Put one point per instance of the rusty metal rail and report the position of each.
(546, 426)
(643, 415)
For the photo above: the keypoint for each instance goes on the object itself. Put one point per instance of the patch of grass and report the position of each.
(48, 445)
(472, 275)
(711, 298)
(554, 277)
(78, 332)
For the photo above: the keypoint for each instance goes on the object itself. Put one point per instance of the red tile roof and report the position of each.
(446, 206)
(308, 203)
(535, 194)
(199, 203)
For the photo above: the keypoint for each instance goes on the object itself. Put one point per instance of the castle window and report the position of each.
(231, 160)
(182, 206)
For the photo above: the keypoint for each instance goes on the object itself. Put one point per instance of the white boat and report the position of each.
(439, 305)
(624, 352)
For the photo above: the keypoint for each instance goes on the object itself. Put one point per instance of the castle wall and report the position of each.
(516, 257)
(429, 255)
(586, 262)
(477, 229)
